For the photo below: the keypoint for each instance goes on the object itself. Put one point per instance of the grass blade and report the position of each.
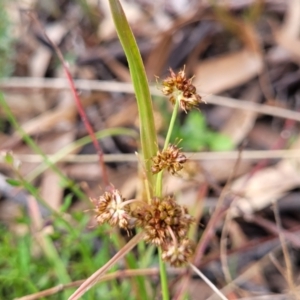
(140, 83)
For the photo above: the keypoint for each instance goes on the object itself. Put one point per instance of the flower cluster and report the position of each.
(165, 223)
(178, 88)
(177, 254)
(111, 208)
(163, 218)
(171, 159)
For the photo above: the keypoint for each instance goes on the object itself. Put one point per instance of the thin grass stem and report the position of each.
(167, 140)
(162, 266)
(79, 105)
(172, 123)
(163, 277)
(208, 282)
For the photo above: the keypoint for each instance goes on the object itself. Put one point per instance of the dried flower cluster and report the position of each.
(177, 254)
(171, 159)
(164, 222)
(181, 89)
(111, 208)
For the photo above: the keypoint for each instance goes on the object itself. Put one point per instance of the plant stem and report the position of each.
(163, 277)
(167, 140)
(79, 105)
(172, 122)
(162, 266)
(141, 87)
(208, 282)
(90, 282)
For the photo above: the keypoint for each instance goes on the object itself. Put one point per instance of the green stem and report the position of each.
(163, 277)
(172, 122)
(162, 265)
(167, 140)
(140, 84)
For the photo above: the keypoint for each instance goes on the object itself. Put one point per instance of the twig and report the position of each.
(246, 276)
(208, 282)
(272, 228)
(208, 234)
(202, 156)
(219, 213)
(289, 268)
(111, 276)
(87, 284)
(109, 86)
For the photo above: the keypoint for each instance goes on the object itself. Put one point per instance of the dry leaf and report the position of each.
(269, 184)
(220, 170)
(221, 73)
(51, 190)
(266, 185)
(62, 115)
(292, 45)
(24, 105)
(288, 36)
(241, 121)
(291, 26)
(133, 13)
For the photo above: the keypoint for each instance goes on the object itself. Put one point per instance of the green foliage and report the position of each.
(67, 203)
(13, 182)
(71, 252)
(26, 270)
(9, 159)
(6, 41)
(197, 136)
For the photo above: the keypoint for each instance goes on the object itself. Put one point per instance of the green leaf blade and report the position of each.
(140, 83)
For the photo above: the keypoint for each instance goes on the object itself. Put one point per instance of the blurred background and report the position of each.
(243, 144)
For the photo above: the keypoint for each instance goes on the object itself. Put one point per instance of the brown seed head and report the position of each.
(177, 86)
(161, 217)
(177, 254)
(171, 159)
(110, 209)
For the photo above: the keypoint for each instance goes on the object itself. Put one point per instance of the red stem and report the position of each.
(86, 121)
(79, 107)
